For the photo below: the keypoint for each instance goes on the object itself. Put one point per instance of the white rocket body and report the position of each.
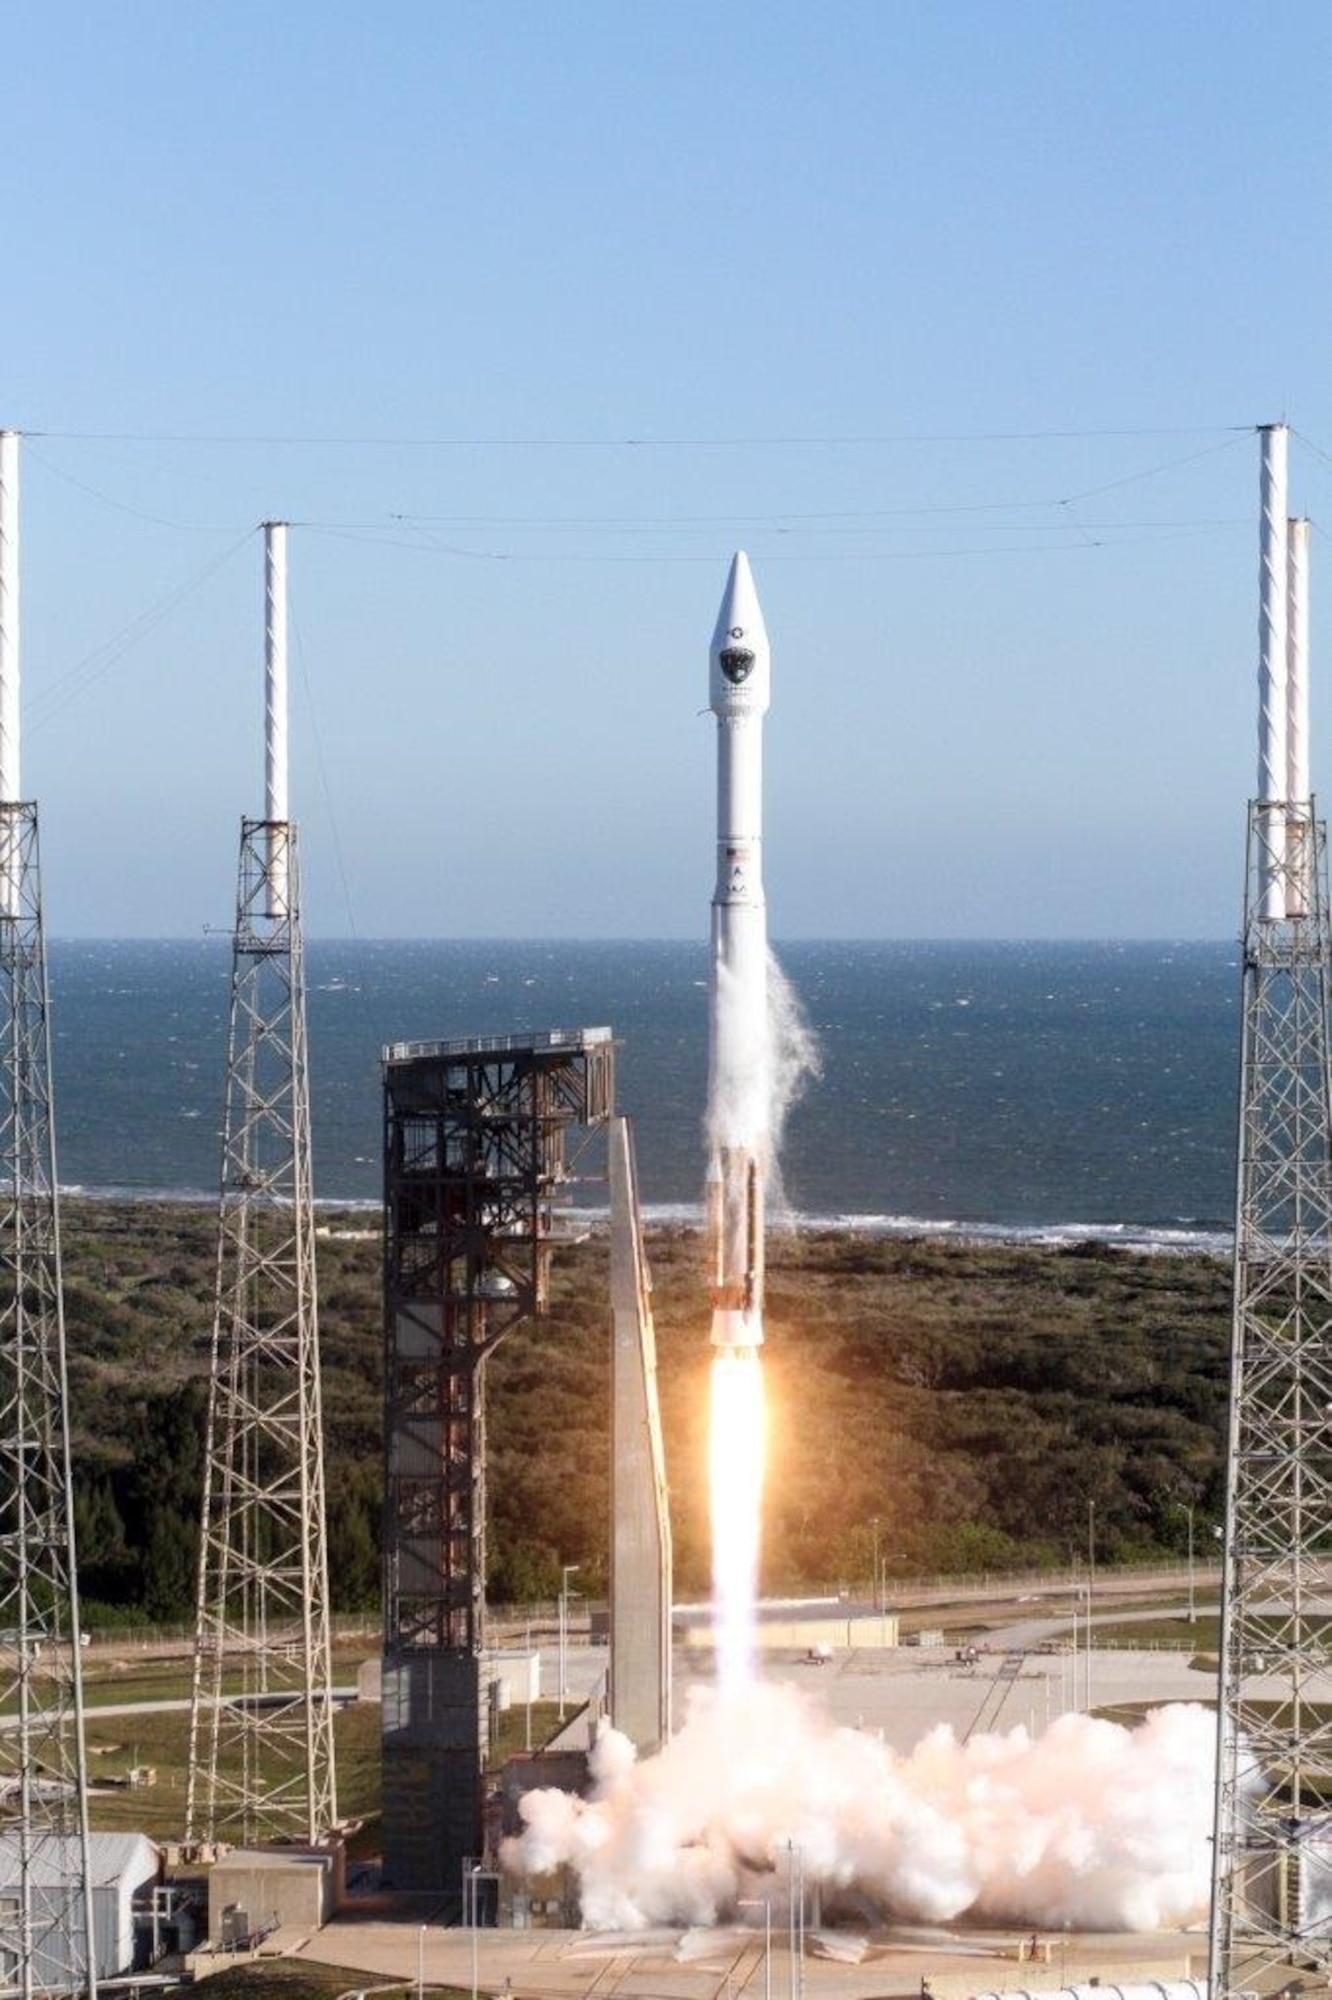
(738, 1082)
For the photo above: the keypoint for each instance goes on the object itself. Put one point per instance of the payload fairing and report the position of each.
(738, 1082)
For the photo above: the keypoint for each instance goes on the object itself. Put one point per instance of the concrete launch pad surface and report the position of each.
(729, 1962)
(903, 1694)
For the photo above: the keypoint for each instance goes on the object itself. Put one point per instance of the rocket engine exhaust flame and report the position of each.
(737, 1451)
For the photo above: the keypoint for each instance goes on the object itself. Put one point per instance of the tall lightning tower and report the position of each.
(1272, 1854)
(261, 1723)
(44, 1941)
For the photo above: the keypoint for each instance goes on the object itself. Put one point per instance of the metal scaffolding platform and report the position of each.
(44, 1944)
(477, 1157)
(1272, 1884)
(261, 1723)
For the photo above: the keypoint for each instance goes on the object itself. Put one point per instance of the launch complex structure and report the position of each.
(481, 1142)
(45, 1929)
(1272, 1854)
(261, 1762)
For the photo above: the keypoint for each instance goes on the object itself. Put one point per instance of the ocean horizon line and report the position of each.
(217, 935)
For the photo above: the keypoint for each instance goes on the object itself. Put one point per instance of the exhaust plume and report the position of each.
(1091, 1824)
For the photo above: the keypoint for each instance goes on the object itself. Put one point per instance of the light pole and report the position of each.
(763, 1903)
(474, 1869)
(528, 1733)
(795, 1863)
(470, 1870)
(1091, 1586)
(878, 1604)
(420, 1965)
(1193, 1604)
(567, 1570)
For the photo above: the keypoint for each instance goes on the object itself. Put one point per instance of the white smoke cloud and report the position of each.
(765, 1054)
(794, 1057)
(1090, 1824)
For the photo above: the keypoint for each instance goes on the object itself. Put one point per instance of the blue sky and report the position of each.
(957, 317)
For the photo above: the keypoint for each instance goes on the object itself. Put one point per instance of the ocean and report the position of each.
(1032, 1091)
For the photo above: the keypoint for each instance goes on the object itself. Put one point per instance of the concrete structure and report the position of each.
(125, 1869)
(537, 1902)
(855, 1632)
(640, 1624)
(480, 1142)
(544, 1963)
(253, 1892)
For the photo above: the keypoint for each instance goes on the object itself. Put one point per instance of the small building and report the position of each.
(540, 1902)
(254, 1891)
(864, 1631)
(126, 1868)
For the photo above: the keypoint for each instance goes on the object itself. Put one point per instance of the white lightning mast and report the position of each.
(1299, 844)
(261, 1725)
(1273, 668)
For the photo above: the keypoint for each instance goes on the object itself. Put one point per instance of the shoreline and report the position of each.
(1176, 1238)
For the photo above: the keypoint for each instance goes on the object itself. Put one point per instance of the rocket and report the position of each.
(738, 1082)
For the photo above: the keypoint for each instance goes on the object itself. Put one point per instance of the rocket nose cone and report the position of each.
(740, 612)
(740, 643)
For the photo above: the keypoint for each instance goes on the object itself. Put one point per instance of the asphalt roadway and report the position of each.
(901, 1693)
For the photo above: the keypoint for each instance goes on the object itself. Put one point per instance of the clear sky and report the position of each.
(957, 316)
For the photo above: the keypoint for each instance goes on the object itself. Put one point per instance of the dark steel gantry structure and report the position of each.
(1271, 1921)
(480, 1138)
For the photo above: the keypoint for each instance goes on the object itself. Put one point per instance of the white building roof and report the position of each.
(56, 1860)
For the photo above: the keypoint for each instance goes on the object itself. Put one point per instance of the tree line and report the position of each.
(932, 1406)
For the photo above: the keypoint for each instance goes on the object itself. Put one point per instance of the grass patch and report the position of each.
(161, 1740)
(1130, 1713)
(300, 1979)
(1172, 1631)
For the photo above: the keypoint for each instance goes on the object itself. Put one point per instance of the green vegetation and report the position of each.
(1203, 1636)
(301, 1979)
(972, 1401)
(157, 1740)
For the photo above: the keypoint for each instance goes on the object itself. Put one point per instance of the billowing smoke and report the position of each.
(770, 1054)
(794, 1060)
(1090, 1824)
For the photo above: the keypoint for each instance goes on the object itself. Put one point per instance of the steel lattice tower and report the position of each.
(1272, 1859)
(261, 1724)
(44, 1941)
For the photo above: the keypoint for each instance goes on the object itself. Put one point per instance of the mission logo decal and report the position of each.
(737, 663)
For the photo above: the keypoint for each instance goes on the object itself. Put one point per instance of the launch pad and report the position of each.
(480, 1139)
